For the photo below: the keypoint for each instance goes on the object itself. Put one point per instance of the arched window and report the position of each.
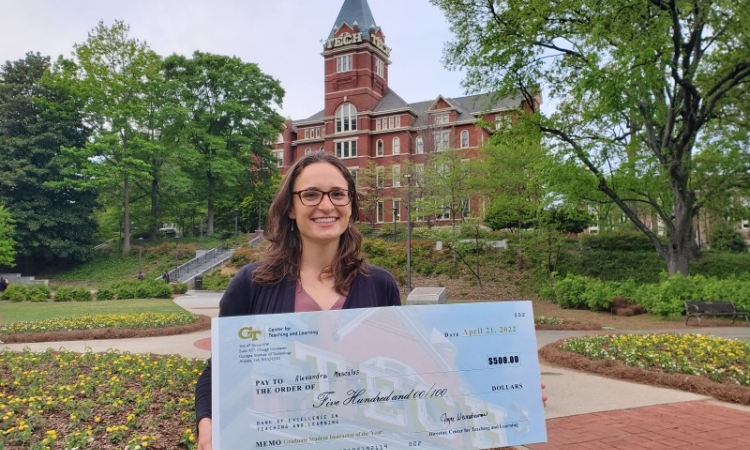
(420, 145)
(396, 146)
(379, 148)
(346, 118)
(308, 150)
(464, 139)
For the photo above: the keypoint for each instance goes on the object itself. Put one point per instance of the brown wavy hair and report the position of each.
(282, 258)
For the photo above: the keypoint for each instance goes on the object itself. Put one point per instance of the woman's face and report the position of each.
(324, 222)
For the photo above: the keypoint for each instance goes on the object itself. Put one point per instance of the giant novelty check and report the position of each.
(454, 376)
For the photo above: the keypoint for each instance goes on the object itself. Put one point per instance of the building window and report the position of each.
(502, 121)
(377, 124)
(280, 139)
(379, 148)
(396, 176)
(420, 145)
(322, 149)
(307, 133)
(379, 67)
(346, 118)
(379, 217)
(464, 139)
(396, 146)
(279, 156)
(396, 210)
(419, 169)
(355, 174)
(308, 151)
(344, 63)
(346, 149)
(445, 215)
(442, 140)
(391, 123)
(442, 119)
(379, 175)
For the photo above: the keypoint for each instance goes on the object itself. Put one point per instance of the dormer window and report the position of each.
(442, 118)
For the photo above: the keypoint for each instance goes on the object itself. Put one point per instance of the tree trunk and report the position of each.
(154, 207)
(126, 207)
(211, 187)
(680, 249)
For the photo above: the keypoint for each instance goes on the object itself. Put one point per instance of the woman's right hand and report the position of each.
(204, 434)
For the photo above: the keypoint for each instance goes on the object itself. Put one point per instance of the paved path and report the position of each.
(585, 411)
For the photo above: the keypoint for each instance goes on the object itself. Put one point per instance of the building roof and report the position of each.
(355, 11)
(467, 108)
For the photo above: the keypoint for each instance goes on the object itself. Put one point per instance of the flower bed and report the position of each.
(105, 401)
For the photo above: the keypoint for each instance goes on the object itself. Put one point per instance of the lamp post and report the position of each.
(395, 211)
(408, 231)
(236, 220)
(176, 260)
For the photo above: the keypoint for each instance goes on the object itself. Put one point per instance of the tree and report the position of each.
(637, 81)
(7, 244)
(37, 117)
(111, 72)
(230, 125)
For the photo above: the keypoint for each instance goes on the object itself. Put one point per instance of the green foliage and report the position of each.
(37, 117)
(569, 292)
(621, 240)
(620, 98)
(15, 292)
(216, 281)
(243, 256)
(63, 294)
(665, 298)
(179, 288)
(105, 294)
(7, 244)
(725, 238)
(133, 289)
(38, 292)
(721, 264)
(82, 294)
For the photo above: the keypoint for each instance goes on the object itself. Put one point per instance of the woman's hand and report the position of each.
(204, 434)
(544, 396)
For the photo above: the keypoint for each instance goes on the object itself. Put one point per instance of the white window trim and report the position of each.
(396, 146)
(379, 148)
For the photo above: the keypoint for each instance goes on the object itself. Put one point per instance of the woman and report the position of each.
(314, 261)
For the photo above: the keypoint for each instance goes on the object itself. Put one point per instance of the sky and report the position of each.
(281, 36)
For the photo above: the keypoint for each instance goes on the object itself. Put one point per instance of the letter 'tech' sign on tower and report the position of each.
(356, 62)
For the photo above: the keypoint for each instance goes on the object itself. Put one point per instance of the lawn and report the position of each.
(27, 311)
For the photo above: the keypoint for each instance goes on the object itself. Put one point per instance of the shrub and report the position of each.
(15, 293)
(38, 292)
(569, 292)
(243, 256)
(620, 240)
(125, 291)
(727, 239)
(82, 294)
(105, 294)
(63, 294)
(216, 281)
(179, 288)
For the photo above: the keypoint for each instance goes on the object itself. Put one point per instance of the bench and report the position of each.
(716, 309)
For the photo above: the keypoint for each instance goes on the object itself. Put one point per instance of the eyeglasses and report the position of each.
(313, 197)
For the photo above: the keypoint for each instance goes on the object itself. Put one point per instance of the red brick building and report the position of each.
(364, 121)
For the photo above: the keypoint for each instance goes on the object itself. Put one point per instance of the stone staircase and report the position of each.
(200, 265)
(206, 262)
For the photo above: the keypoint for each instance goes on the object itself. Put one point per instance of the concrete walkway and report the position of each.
(585, 411)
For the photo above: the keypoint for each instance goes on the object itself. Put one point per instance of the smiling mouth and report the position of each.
(325, 220)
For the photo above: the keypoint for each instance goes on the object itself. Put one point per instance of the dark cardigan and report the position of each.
(245, 297)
